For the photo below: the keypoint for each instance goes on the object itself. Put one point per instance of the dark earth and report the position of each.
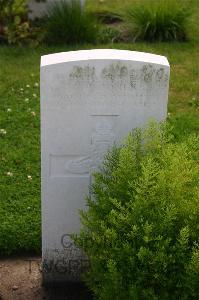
(21, 279)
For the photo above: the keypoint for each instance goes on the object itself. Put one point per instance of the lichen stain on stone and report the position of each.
(119, 74)
(115, 71)
(134, 76)
(147, 73)
(150, 75)
(161, 77)
(159, 74)
(166, 79)
(85, 73)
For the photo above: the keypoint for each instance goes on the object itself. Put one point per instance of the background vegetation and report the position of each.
(159, 21)
(15, 28)
(69, 23)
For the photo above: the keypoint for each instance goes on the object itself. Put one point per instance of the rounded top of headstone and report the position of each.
(103, 54)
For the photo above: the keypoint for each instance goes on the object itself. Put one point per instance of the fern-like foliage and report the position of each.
(141, 229)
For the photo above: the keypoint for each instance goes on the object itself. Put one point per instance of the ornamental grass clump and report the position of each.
(162, 20)
(141, 229)
(67, 22)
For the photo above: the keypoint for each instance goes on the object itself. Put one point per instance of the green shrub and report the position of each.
(12, 14)
(141, 229)
(68, 23)
(15, 27)
(11, 8)
(161, 20)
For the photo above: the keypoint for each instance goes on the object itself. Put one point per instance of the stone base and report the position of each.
(61, 266)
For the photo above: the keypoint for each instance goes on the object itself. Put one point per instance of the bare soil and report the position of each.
(21, 279)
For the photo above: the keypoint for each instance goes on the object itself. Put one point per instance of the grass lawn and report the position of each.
(19, 134)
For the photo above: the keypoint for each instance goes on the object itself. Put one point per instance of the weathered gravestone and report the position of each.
(89, 100)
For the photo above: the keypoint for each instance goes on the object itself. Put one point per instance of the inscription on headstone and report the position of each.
(89, 100)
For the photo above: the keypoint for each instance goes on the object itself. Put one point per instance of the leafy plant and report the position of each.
(15, 27)
(162, 20)
(68, 23)
(22, 33)
(10, 8)
(141, 230)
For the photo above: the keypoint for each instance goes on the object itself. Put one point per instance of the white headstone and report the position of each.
(89, 100)
(38, 9)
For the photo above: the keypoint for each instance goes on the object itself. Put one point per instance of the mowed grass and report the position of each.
(20, 219)
(19, 152)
